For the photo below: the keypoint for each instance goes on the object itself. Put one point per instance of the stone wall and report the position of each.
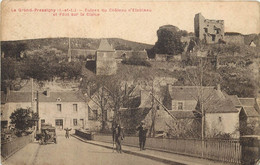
(209, 30)
(236, 39)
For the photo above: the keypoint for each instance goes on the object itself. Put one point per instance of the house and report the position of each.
(211, 31)
(105, 59)
(184, 104)
(97, 102)
(249, 116)
(61, 108)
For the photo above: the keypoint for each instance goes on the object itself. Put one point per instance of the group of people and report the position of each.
(118, 136)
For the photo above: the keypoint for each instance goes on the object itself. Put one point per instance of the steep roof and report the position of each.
(105, 46)
(247, 101)
(251, 112)
(63, 96)
(188, 92)
(214, 101)
(235, 100)
(183, 114)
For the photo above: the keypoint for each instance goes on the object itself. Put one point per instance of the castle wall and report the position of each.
(237, 39)
(209, 30)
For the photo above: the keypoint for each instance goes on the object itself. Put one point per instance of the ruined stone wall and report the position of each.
(209, 30)
(237, 39)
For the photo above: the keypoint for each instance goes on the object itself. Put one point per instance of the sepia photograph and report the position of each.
(130, 82)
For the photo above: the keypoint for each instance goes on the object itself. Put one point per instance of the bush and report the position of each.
(137, 61)
(23, 119)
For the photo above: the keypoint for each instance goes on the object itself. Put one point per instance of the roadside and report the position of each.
(165, 157)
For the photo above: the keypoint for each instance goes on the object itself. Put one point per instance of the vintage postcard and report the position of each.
(130, 82)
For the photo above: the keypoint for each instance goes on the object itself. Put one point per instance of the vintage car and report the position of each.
(47, 135)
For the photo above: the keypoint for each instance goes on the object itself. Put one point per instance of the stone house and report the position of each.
(62, 109)
(249, 116)
(211, 31)
(221, 115)
(95, 115)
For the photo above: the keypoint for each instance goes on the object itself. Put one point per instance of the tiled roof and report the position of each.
(235, 100)
(188, 92)
(104, 46)
(247, 101)
(251, 112)
(183, 114)
(64, 96)
(214, 101)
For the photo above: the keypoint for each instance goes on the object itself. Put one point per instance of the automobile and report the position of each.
(47, 135)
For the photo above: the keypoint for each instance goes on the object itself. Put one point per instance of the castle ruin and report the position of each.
(211, 31)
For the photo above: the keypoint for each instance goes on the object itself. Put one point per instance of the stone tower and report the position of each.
(105, 59)
(211, 31)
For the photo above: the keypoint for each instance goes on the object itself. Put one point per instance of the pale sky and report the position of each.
(242, 17)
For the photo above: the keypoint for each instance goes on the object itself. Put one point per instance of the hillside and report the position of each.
(13, 48)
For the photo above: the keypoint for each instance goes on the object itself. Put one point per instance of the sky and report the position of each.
(23, 20)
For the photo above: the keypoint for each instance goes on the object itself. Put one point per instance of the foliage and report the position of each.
(136, 61)
(23, 119)
(169, 40)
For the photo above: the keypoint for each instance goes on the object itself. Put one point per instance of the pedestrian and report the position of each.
(119, 136)
(114, 134)
(142, 136)
(67, 134)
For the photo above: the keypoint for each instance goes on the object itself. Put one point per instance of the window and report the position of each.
(75, 107)
(213, 37)
(75, 122)
(59, 122)
(59, 107)
(180, 105)
(42, 121)
(206, 30)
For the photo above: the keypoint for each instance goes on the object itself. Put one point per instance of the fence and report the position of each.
(10, 147)
(214, 149)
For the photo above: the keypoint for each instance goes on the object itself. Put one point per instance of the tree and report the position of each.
(169, 40)
(23, 119)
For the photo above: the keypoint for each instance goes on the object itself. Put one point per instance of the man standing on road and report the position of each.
(67, 135)
(142, 136)
(119, 136)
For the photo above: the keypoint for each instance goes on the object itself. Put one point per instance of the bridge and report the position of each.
(77, 150)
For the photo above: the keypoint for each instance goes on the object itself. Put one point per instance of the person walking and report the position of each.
(114, 125)
(119, 136)
(142, 136)
(67, 134)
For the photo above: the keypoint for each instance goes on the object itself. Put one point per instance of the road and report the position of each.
(73, 151)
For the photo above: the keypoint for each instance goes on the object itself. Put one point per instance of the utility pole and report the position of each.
(201, 107)
(32, 101)
(37, 110)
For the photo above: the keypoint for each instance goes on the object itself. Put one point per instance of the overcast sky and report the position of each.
(242, 17)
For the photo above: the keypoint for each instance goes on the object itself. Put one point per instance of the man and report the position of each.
(119, 136)
(142, 136)
(67, 134)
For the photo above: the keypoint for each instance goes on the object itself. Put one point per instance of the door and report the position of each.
(59, 124)
(81, 123)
